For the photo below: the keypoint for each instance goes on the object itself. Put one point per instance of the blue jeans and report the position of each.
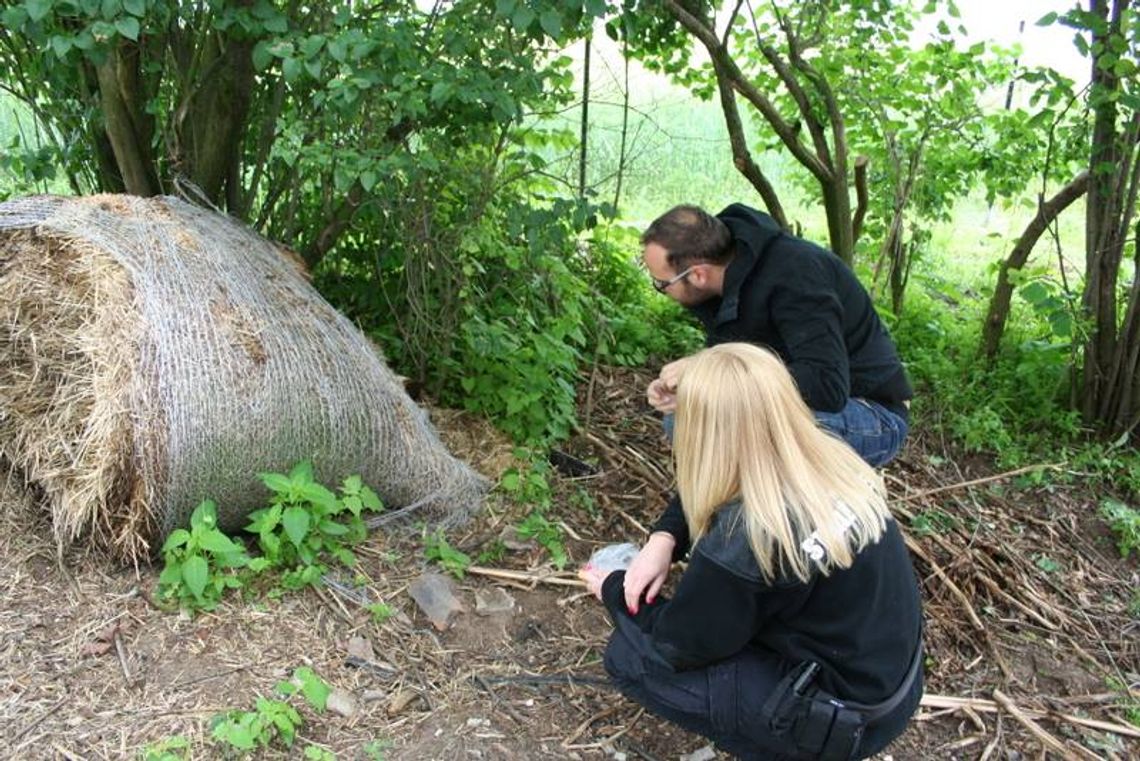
(871, 429)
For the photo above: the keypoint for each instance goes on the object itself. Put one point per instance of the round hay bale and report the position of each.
(154, 354)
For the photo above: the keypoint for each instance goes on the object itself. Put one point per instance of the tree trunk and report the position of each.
(837, 205)
(216, 115)
(1103, 246)
(129, 129)
(585, 123)
(1047, 212)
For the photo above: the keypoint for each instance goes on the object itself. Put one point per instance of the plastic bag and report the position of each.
(613, 557)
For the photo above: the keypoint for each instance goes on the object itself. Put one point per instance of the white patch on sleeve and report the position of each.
(813, 547)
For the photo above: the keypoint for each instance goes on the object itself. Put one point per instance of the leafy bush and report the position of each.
(305, 520)
(271, 720)
(305, 524)
(438, 550)
(201, 562)
(1125, 523)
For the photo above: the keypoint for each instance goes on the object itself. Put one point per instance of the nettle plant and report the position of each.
(271, 719)
(306, 520)
(304, 525)
(201, 562)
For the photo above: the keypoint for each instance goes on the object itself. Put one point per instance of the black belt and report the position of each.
(875, 711)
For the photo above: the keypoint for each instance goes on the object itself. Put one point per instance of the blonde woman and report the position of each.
(795, 631)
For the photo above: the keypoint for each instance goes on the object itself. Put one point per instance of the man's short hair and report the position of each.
(690, 235)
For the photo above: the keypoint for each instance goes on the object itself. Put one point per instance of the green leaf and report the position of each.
(302, 472)
(332, 528)
(319, 495)
(60, 45)
(177, 538)
(111, 9)
(38, 9)
(1047, 19)
(551, 22)
(370, 499)
(291, 68)
(205, 515)
(195, 574)
(296, 523)
(216, 541)
(135, 7)
(522, 18)
(313, 687)
(262, 57)
(277, 482)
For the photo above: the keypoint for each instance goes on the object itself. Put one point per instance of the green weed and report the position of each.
(549, 535)
(306, 521)
(304, 525)
(201, 562)
(437, 549)
(1125, 523)
(271, 720)
(175, 748)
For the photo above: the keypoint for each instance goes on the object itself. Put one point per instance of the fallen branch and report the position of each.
(979, 481)
(1046, 739)
(534, 578)
(989, 706)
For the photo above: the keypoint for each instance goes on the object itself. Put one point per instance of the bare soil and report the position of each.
(1026, 600)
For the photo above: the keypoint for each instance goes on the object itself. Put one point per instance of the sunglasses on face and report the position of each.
(663, 285)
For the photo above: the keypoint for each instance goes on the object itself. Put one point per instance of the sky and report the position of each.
(998, 21)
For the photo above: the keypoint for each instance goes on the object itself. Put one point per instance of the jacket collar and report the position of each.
(751, 231)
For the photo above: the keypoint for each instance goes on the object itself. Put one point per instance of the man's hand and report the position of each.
(648, 571)
(662, 392)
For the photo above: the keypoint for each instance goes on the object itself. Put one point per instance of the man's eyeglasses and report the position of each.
(662, 285)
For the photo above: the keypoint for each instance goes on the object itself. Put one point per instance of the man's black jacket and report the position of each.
(804, 303)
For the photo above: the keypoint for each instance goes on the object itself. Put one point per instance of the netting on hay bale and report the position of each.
(154, 354)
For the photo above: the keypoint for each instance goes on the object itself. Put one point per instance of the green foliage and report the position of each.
(305, 681)
(437, 549)
(305, 521)
(1015, 408)
(257, 729)
(175, 748)
(373, 750)
(548, 534)
(528, 484)
(933, 521)
(272, 720)
(380, 612)
(304, 524)
(1125, 523)
(200, 563)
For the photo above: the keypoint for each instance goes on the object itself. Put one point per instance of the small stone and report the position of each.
(435, 596)
(488, 602)
(361, 647)
(401, 700)
(341, 702)
(512, 541)
(707, 753)
(477, 722)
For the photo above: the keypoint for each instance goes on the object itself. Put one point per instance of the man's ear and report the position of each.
(699, 277)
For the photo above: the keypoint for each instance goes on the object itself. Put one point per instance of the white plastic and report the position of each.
(613, 557)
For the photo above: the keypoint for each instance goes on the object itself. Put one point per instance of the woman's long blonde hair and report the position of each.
(809, 502)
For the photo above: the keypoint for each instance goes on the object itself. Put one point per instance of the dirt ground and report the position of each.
(1029, 636)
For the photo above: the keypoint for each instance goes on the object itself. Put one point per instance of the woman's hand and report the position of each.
(594, 578)
(648, 571)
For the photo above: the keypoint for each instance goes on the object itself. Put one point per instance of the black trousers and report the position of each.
(726, 702)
